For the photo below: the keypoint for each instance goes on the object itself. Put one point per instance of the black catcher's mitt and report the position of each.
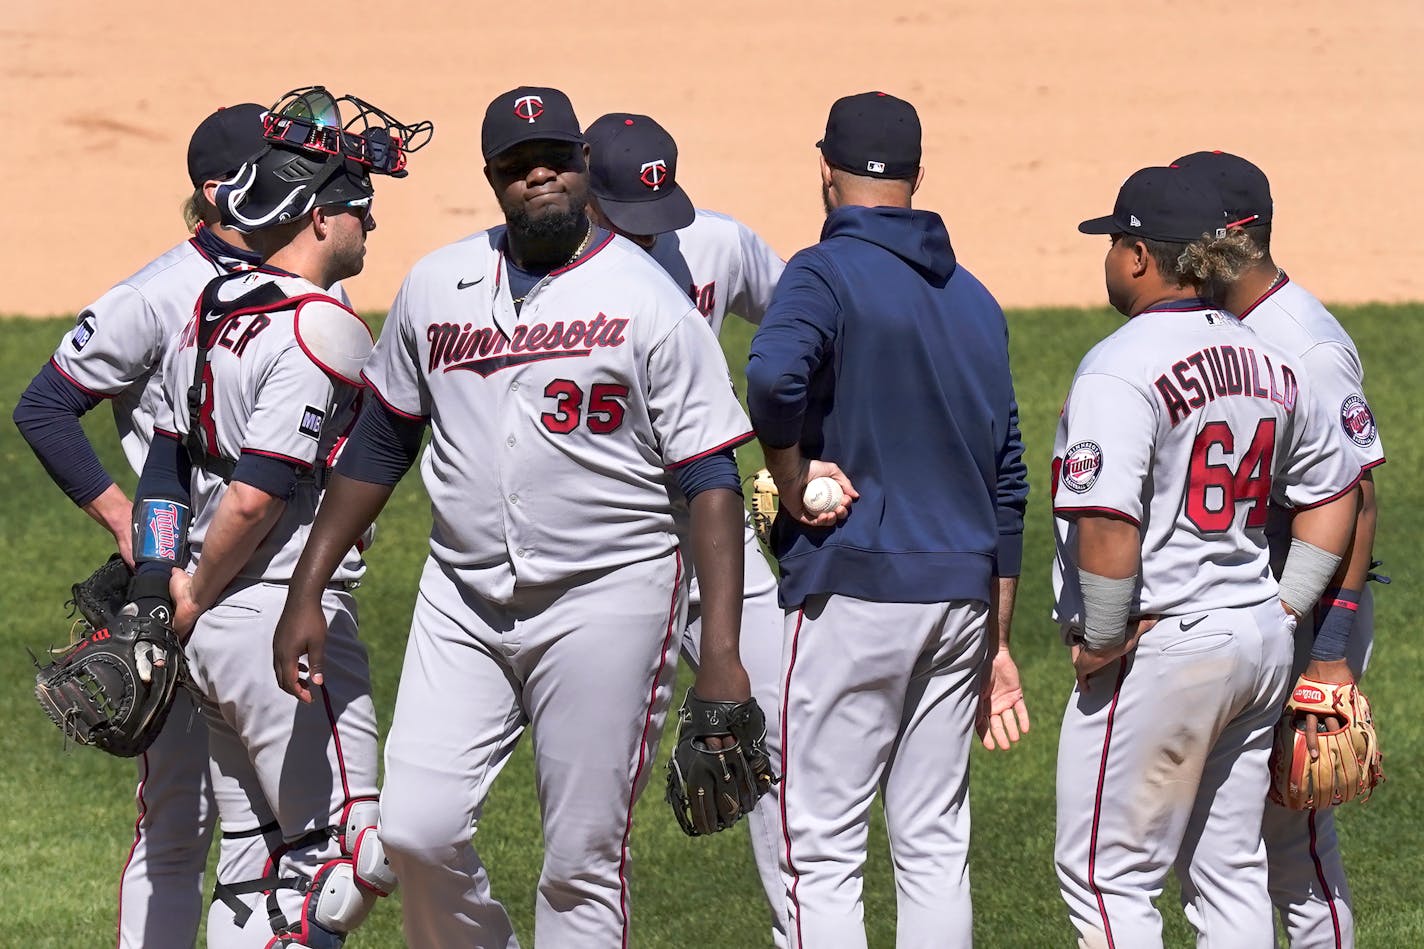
(101, 596)
(112, 686)
(710, 790)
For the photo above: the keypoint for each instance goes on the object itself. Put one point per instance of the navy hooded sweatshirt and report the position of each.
(881, 354)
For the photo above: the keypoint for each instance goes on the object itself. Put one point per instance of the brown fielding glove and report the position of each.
(1349, 762)
(710, 790)
(764, 504)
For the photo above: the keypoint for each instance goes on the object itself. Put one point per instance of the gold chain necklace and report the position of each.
(578, 252)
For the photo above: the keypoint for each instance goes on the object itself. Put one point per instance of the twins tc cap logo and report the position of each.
(1081, 466)
(529, 108)
(653, 173)
(1358, 421)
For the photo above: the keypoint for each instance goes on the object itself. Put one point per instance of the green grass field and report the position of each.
(67, 817)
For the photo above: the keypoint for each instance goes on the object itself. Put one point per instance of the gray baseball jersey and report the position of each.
(552, 438)
(269, 396)
(1307, 875)
(723, 265)
(1187, 423)
(116, 347)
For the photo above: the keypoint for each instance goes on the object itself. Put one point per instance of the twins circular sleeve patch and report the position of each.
(1358, 421)
(1081, 466)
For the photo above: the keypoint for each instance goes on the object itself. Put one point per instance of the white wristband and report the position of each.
(1307, 573)
(1106, 605)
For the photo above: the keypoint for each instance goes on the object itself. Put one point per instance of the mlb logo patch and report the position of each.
(83, 331)
(877, 167)
(312, 419)
(1081, 466)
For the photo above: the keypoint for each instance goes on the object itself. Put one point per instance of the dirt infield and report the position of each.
(1034, 112)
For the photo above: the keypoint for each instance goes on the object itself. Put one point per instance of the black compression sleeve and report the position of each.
(47, 416)
(382, 446)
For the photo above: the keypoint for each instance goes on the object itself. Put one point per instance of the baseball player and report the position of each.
(575, 398)
(256, 393)
(874, 333)
(1307, 877)
(725, 268)
(1178, 430)
(114, 353)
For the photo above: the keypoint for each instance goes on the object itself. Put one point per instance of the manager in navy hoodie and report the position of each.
(884, 364)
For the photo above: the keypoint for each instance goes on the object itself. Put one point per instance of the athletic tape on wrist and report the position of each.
(1306, 575)
(1106, 605)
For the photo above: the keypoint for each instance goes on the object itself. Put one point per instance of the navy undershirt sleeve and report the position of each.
(47, 416)
(382, 446)
(167, 473)
(272, 475)
(717, 470)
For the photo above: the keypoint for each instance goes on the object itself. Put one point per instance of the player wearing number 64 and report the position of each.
(1178, 430)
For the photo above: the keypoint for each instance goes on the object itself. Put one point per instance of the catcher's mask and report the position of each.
(314, 158)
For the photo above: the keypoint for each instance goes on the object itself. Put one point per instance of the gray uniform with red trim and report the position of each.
(1186, 423)
(282, 772)
(555, 593)
(1308, 883)
(727, 268)
(115, 351)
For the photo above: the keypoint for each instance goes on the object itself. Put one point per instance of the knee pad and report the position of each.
(360, 840)
(334, 905)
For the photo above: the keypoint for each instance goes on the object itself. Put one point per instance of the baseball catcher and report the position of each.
(113, 685)
(1312, 767)
(710, 788)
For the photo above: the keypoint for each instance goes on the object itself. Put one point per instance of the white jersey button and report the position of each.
(509, 441)
(514, 387)
(514, 499)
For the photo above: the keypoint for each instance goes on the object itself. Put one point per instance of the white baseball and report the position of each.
(822, 495)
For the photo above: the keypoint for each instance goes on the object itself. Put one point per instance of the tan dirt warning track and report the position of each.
(1034, 112)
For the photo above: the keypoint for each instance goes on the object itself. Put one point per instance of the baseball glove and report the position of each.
(1349, 762)
(764, 504)
(113, 685)
(710, 790)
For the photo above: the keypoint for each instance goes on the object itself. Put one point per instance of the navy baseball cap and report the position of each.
(1244, 187)
(633, 174)
(223, 141)
(873, 134)
(526, 114)
(1175, 205)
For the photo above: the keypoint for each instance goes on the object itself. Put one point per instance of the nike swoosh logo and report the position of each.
(1186, 626)
(462, 285)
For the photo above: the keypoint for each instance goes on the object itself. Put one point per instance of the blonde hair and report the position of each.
(1219, 259)
(197, 209)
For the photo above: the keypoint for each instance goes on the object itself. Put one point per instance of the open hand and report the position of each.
(1002, 717)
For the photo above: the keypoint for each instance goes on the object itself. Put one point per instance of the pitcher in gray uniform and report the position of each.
(575, 400)
(257, 392)
(1334, 640)
(114, 353)
(725, 268)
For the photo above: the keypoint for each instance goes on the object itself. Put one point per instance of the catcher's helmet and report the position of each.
(312, 158)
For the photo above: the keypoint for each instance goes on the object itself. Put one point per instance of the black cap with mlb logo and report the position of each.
(873, 134)
(1175, 205)
(224, 140)
(1244, 187)
(526, 114)
(633, 174)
